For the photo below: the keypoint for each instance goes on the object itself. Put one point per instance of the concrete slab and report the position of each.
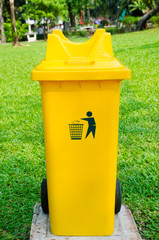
(125, 227)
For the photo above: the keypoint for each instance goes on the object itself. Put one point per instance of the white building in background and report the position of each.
(31, 36)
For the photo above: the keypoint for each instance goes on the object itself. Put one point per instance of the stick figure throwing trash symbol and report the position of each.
(91, 124)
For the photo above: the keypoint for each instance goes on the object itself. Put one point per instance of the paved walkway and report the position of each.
(125, 227)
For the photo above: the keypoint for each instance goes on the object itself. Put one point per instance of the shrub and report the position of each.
(86, 22)
(155, 20)
(75, 33)
(83, 33)
(129, 21)
(104, 22)
(66, 33)
(8, 31)
(100, 26)
(21, 30)
(113, 30)
(40, 36)
(78, 27)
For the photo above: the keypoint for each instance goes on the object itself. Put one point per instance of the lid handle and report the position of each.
(80, 61)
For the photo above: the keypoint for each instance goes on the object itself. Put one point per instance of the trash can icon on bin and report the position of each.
(76, 130)
(80, 89)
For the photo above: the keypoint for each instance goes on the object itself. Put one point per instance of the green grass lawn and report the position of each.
(22, 140)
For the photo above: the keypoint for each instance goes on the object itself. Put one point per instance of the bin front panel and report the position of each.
(81, 133)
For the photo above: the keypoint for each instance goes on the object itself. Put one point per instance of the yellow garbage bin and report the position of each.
(80, 88)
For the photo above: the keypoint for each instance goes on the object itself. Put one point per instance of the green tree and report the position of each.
(14, 24)
(75, 7)
(143, 5)
(110, 7)
(47, 10)
(148, 7)
(72, 10)
(105, 7)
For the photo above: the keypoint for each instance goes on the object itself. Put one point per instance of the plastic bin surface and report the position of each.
(80, 86)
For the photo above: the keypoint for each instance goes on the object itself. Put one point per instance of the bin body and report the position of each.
(80, 120)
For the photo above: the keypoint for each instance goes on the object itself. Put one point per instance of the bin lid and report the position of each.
(90, 60)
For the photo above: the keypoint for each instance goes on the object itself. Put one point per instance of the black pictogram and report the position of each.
(91, 124)
(76, 128)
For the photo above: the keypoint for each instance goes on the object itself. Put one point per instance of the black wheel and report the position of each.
(117, 197)
(44, 197)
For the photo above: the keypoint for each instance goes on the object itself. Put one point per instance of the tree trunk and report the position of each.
(47, 27)
(88, 14)
(71, 15)
(142, 22)
(45, 38)
(3, 37)
(15, 39)
(66, 26)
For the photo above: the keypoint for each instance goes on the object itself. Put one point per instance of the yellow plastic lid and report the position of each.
(90, 60)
